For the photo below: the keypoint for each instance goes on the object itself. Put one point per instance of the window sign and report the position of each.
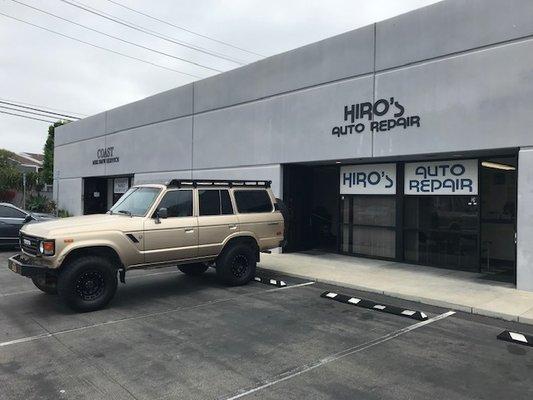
(368, 179)
(121, 185)
(455, 177)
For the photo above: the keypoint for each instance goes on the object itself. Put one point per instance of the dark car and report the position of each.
(11, 220)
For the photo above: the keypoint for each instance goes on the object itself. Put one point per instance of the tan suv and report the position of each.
(193, 224)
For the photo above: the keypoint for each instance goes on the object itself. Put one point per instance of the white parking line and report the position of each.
(47, 335)
(21, 292)
(341, 354)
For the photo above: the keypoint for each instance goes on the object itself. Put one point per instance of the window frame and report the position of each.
(236, 207)
(220, 210)
(194, 196)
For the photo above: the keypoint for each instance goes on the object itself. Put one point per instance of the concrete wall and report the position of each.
(68, 195)
(524, 260)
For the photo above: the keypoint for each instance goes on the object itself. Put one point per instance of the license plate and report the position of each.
(26, 242)
(13, 266)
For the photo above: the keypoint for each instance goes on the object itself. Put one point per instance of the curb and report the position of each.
(417, 299)
(372, 305)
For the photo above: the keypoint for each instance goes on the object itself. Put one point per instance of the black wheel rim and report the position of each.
(90, 285)
(239, 266)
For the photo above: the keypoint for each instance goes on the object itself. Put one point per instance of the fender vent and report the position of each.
(132, 238)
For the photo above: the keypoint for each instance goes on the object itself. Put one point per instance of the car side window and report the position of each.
(253, 201)
(215, 202)
(225, 203)
(10, 212)
(178, 203)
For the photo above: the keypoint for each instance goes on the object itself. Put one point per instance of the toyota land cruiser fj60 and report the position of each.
(194, 224)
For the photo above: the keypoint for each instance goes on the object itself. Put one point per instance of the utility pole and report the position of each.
(24, 190)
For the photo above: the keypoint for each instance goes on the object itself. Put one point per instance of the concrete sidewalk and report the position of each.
(464, 291)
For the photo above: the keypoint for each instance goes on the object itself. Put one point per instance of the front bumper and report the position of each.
(25, 266)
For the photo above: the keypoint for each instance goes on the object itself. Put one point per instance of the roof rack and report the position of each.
(217, 182)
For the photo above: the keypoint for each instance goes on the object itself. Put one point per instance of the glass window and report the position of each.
(374, 210)
(178, 203)
(135, 201)
(253, 201)
(374, 241)
(209, 202)
(441, 231)
(369, 225)
(452, 213)
(225, 201)
(10, 212)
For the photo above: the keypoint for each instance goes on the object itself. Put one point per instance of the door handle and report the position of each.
(190, 230)
(233, 227)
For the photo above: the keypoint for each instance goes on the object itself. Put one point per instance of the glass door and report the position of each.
(369, 225)
(442, 231)
(498, 183)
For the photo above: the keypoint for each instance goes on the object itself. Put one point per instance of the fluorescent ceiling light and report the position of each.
(505, 167)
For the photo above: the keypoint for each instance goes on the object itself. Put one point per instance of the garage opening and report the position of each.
(100, 193)
(311, 194)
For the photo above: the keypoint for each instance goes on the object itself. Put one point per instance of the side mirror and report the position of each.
(28, 218)
(162, 213)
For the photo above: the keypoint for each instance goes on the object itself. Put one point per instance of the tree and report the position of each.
(10, 176)
(48, 162)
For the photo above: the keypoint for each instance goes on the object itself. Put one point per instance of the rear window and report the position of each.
(253, 201)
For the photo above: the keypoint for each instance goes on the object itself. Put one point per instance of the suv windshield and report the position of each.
(135, 201)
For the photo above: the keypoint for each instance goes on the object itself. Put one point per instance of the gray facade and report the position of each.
(465, 67)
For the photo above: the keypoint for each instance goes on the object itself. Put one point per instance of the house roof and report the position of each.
(35, 156)
(27, 159)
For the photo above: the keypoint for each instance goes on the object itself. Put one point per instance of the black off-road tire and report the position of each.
(87, 283)
(236, 265)
(47, 284)
(195, 269)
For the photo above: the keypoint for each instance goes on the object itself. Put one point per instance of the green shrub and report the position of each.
(63, 213)
(39, 203)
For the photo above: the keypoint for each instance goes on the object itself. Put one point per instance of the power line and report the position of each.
(184, 29)
(99, 47)
(42, 107)
(115, 37)
(147, 31)
(25, 116)
(30, 112)
(38, 109)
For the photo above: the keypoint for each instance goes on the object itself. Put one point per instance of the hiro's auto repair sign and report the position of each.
(384, 115)
(368, 179)
(456, 177)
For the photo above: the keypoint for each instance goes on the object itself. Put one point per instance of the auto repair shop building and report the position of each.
(410, 139)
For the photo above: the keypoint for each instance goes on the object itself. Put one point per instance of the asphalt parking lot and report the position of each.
(170, 336)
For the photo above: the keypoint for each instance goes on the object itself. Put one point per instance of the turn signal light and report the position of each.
(47, 247)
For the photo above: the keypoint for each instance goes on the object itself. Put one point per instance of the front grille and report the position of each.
(29, 244)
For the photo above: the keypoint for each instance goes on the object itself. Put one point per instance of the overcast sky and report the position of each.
(43, 69)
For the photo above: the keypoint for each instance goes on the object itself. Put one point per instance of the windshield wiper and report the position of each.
(125, 212)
